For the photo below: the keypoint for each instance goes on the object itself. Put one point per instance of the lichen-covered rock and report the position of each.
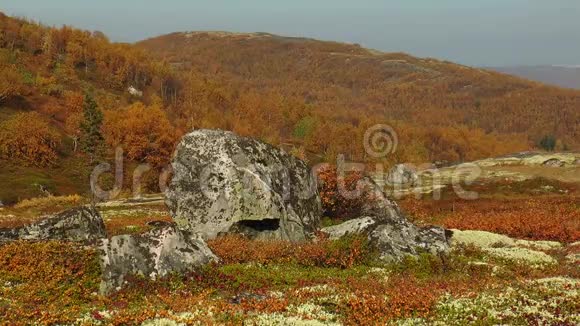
(394, 239)
(156, 253)
(350, 227)
(223, 183)
(81, 224)
(402, 175)
(389, 231)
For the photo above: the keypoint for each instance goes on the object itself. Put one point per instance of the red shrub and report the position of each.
(342, 253)
(334, 203)
(537, 218)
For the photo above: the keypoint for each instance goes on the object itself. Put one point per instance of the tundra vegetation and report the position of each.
(65, 105)
(524, 272)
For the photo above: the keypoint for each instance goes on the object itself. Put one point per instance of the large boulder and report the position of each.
(223, 183)
(81, 224)
(154, 254)
(389, 231)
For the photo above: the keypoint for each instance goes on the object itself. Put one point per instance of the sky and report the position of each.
(471, 32)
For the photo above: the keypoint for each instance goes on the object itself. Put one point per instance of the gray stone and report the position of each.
(402, 175)
(154, 254)
(223, 183)
(351, 227)
(393, 239)
(82, 224)
(554, 162)
(389, 231)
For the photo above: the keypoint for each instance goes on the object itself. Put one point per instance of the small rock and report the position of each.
(402, 175)
(82, 224)
(554, 162)
(159, 224)
(389, 231)
(134, 91)
(156, 253)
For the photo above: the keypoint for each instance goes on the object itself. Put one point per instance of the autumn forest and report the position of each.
(314, 98)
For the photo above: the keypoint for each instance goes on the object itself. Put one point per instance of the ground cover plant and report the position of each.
(264, 282)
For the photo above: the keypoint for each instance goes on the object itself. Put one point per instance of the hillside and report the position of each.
(45, 74)
(316, 99)
(562, 76)
(348, 83)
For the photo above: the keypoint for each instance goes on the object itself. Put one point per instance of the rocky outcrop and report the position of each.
(389, 231)
(554, 162)
(402, 175)
(393, 239)
(223, 183)
(82, 224)
(157, 253)
(532, 159)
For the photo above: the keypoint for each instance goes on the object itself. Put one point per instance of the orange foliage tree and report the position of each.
(10, 82)
(144, 132)
(26, 137)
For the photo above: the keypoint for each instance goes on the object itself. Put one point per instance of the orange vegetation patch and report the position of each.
(117, 225)
(46, 282)
(344, 253)
(554, 218)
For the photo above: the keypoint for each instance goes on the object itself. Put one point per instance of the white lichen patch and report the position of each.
(481, 239)
(381, 272)
(320, 288)
(573, 258)
(162, 322)
(280, 319)
(504, 247)
(549, 301)
(522, 255)
(95, 318)
(539, 245)
(559, 283)
(311, 311)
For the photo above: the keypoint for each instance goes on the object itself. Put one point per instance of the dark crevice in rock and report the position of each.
(265, 225)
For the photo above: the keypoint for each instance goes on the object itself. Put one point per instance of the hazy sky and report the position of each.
(473, 32)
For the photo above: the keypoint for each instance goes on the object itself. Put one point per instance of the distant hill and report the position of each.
(563, 76)
(350, 83)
